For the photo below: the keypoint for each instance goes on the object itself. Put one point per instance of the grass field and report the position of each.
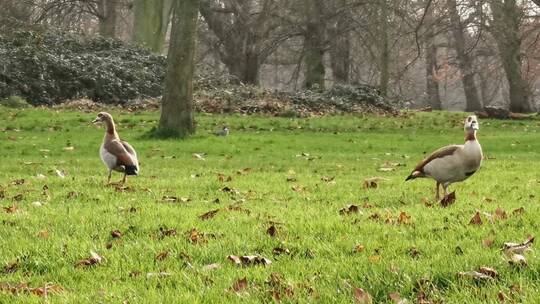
(294, 174)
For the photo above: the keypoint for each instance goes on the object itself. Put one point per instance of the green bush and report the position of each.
(14, 102)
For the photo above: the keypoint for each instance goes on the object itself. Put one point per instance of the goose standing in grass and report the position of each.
(116, 154)
(453, 163)
(223, 132)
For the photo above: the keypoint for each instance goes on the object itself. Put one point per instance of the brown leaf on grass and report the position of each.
(240, 285)
(404, 218)
(291, 179)
(327, 178)
(246, 260)
(116, 234)
(476, 219)
(199, 156)
(487, 242)
(359, 248)
(396, 298)
(271, 231)
(299, 188)
(72, 194)
(502, 297)
(18, 182)
(474, 275)
(230, 190)
(44, 234)
(212, 266)
(510, 248)
(518, 211)
(243, 171)
(517, 260)
(195, 237)
(167, 232)
(162, 255)
(281, 251)
(208, 215)
(92, 260)
(449, 200)
(500, 214)
(42, 291)
(19, 197)
(488, 271)
(11, 267)
(349, 209)
(361, 296)
(414, 253)
(373, 182)
(11, 209)
(223, 178)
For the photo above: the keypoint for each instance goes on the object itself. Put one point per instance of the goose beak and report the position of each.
(475, 127)
(96, 120)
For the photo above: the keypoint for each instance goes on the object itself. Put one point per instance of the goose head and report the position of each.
(103, 117)
(471, 124)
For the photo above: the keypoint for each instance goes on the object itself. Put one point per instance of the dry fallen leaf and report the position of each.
(487, 242)
(396, 298)
(11, 209)
(361, 296)
(404, 218)
(518, 211)
(246, 260)
(162, 255)
(240, 285)
(475, 275)
(208, 215)
(476, 219)
(519, 248)
(212, 266)
(92, 260)
(449, 200)
(271, 231)
(116, 234)
(373, 182)
(500, 214)
(199, 156)
(349, 209)
(359, 248)
(488, 271)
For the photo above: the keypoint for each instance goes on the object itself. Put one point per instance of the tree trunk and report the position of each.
(151, 21)
(384, 60)
(465, 63)
(239, 42)
(313, 45)
(340, 49)
(108, 12)
(505, 29)
(432, 84)
(177, 105)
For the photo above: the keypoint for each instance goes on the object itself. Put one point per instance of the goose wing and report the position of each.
(118, 149)
(437, 154)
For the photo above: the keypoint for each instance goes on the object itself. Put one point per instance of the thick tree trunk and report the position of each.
(505, 29)
(313, 45)
(239, 42)
(340, 49)
(151, 21)
(465, 62)
(177, 106)
(108, 11)
(384, 60)
(432, 84)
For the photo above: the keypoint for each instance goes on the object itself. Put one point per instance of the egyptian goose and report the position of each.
(116, 154)
(454, 163)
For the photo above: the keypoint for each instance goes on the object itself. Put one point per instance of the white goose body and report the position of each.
(457, 166)
(116, 154)
(453, 163)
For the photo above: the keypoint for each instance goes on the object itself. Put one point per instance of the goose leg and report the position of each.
(124, 179)
(109, 177)
(437, 191)
(445, 188)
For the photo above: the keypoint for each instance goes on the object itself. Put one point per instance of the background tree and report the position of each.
(151, 20)
(177, 105)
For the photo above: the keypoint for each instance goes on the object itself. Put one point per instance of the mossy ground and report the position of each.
(287, 184)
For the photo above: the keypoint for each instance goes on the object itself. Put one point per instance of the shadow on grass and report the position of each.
(159, 133)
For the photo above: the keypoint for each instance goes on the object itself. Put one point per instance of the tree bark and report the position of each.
(177, 105)
(384, 60)
(505, 29)
(465, 62)
(313, 45)
(108, 12)
(151, 22)
(340, 49)
(432, 84)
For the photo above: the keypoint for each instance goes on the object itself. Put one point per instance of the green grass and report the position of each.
(322, 264)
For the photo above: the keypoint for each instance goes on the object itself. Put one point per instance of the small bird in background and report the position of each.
(453, 163)
(116, 154)
(223, 132)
